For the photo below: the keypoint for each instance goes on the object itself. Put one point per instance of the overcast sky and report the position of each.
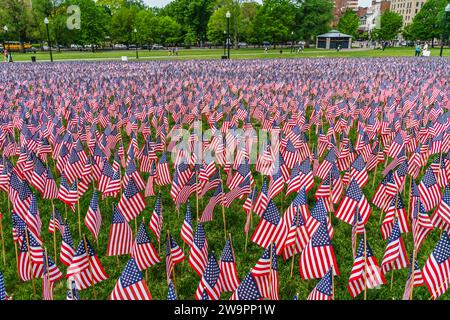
(162, 3)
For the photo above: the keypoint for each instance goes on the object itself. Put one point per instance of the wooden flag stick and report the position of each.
(46, 265)
(90, 267)
(332, 282)
(29, 261)
(170, 253)
(78, 205)
(374, 176)
(270, 272)
(250, 213)
(365, 265)
(3, 242)
(413, 260)
(196, 192)
(54, 230)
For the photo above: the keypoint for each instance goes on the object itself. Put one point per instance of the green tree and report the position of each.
(349, 23)
(428, 23)
(17, 14)
(390, 25)
(274, 21)
(95, 23)
(192, 15)
(148, 26)
(313, 18)
(170, 30)
(123, 24)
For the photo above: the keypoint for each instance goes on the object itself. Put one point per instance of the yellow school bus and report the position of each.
(15, 46)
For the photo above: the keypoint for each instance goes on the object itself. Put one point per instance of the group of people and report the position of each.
(173, 51)
(7, 57)
(422, 51)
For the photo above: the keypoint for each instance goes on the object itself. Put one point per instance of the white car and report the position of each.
(76, 46)
(120, 46)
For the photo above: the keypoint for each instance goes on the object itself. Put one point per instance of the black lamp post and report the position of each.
(228, 15)
(5, 28)
(48, 39)
(135, 40)
(224, 42)
(447, 10)
(292, 41)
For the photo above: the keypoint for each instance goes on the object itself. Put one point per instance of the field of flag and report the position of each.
(314, 179)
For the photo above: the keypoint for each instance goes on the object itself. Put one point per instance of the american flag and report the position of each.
(430, 193)
(441, 216)
(132, 203)
(56, 222)
(397, 210)
(22, 203)
(365, 272)
(270, 228)
(421, 225)
(318, 256)
(171, 294)
(143, 251)
(247, 290)
(228, 271)
(32, 217)
(174, 255)
(262, 200)
(131, 284)
(3, 294)
(93, 218)
(266, 273)
(211, 281)
(217, 198)
(395, 256)
(162, 171)
(436, 271)
(324, 288)
(67, 247)
(85, 267)
(120, 240)
(354, 198)
(198, 257)
(156, 220)
(414, 279)
(186, 228)
(73, 294)
(319, 215)
(51, 269)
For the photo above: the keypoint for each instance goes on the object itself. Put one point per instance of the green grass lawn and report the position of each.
(217, 53)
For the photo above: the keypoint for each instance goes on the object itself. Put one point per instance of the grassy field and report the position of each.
(186, 279)
(217, 53)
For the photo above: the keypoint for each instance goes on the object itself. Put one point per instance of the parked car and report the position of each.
(242, 45)
(266, 44)
(120, 46)
(157, 47)
(76, 46)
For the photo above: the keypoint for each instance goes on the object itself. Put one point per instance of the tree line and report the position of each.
(193, 22)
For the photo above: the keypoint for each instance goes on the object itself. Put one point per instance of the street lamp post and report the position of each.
(48, 39)
(5, 40)
(447, 10)
(135, 40)
(224, 42)
(292, 41)
(228, 15)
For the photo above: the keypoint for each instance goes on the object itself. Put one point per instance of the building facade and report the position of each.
(407, 9)
(371, 20)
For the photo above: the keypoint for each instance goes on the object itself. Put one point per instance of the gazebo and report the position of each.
(332, 39)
